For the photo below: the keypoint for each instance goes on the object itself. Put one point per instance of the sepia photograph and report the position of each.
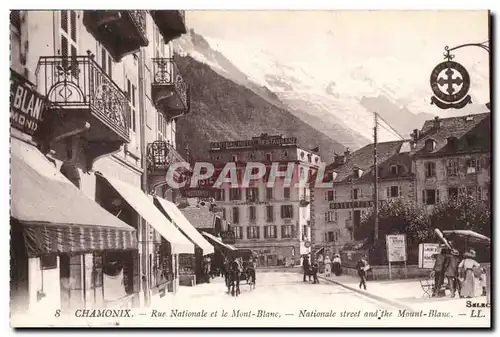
(250, 168)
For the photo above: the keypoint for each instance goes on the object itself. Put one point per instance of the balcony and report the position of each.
(161, 154)
(169, 91)
(85, 100)
(172, 24)
(120, 32)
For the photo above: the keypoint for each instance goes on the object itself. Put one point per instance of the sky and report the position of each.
(396, 48)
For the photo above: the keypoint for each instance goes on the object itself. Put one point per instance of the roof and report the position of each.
(199, 217)
(363, 159)
(463, 127)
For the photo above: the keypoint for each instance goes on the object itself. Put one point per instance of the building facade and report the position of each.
(110, 89)
(452, 157)
(273, 221)
(340, 209)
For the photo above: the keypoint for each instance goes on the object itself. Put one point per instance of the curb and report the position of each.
(370, 295)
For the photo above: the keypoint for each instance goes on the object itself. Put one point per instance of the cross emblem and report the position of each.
(449, 80)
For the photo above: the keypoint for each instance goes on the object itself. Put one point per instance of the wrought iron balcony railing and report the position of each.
(80, 85)
(161, 154)
(169, 91)
(121, 32)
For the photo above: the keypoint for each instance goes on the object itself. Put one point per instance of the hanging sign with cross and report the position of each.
(450, 83)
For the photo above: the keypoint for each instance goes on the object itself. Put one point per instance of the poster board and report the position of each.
(426, 255)
(396, 248)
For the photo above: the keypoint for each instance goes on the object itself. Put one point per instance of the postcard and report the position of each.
(179, 168)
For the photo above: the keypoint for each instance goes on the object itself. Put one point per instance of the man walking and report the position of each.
(314, 271)
(306, 266)
(362, 267)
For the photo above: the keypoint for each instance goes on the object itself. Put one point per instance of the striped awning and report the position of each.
(218, 242)
(55, 215)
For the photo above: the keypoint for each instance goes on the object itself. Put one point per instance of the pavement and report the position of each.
(282, 299)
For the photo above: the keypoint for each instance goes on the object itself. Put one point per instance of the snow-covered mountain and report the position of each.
(338, 102)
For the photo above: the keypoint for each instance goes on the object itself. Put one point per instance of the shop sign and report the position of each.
(427, 255)
(396, 248)
(26, 105)
(263, 141)
(450, 83)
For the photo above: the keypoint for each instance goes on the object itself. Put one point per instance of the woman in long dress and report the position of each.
(337, 265)
(467, 269)
(328, 266)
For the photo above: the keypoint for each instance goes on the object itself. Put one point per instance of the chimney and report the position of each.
(437, 123)
(347, 152)
(339, 159)
(415, 135)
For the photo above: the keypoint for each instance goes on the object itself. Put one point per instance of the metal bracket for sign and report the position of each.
(455, 76)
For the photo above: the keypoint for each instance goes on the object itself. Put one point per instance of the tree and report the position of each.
(463, 212)
(395, 216)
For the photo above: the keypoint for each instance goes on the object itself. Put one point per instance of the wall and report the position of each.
(442, 181)
(48, 280)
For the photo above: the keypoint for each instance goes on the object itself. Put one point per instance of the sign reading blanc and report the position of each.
(26, 104)
(396, 248)
(450, 83)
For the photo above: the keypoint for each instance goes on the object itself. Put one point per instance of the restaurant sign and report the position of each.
(263, 141)
(26, 104)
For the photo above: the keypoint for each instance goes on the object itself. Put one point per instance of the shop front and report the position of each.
(274, 256)
(60, 239)
(160, 261)
(192, 267)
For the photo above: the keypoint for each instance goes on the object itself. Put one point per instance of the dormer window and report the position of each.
(394, 169)
(430, 145)
(234, 158)
(357, 172)
(309, 157)
(452, 142)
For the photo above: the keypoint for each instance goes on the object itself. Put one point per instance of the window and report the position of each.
(238, 232)
(331, 216)
(130, 92)
(252, 194)
(286, 192)
(430, 145)
(355, 193)
(394, 169)
(269, 193)
(224, 213)
(286, 211)
(48, 261)
(473, 165)
(219, 195)
(234, 194)
(285, 154)
(287, 231)
(68, 40)
(162, 126)
(236, 215)
(394, 192)
(270, 232)
(269, 213)
(234, 158)
(331, 195)
(269, 157)
(452, 168)
(253, 232)
(452, 193)
(106, 62)
(430, 169)
(430, 197)
(252, 214)
(331, 237)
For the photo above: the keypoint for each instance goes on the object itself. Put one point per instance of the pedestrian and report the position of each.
(439, 271)
(328, 266)
(337, 265)
(314, 272)
(482, 281)
(306, 266)
(362, 266)
(451, 271)
(468, 268)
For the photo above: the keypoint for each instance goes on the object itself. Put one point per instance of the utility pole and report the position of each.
(375, 176)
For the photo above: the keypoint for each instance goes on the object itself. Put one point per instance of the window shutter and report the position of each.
(352, 193)
(291, 212)
(282, 211)
(265, 231)
(326, 216)
(293, 231)
(334, 195)
(326, 237)
(326, 196)
(336, 216)
(361, 193)
(437, 196)
(248, 233)
(400, 191)
(258, 232)
(282, 231)
(388, 192)
(423, 197)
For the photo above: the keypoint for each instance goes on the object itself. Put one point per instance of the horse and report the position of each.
(233, 278)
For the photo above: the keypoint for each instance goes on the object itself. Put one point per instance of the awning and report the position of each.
(143, 205)
(217, 241)
(56, 216)
(319, 251)
(185, 226)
